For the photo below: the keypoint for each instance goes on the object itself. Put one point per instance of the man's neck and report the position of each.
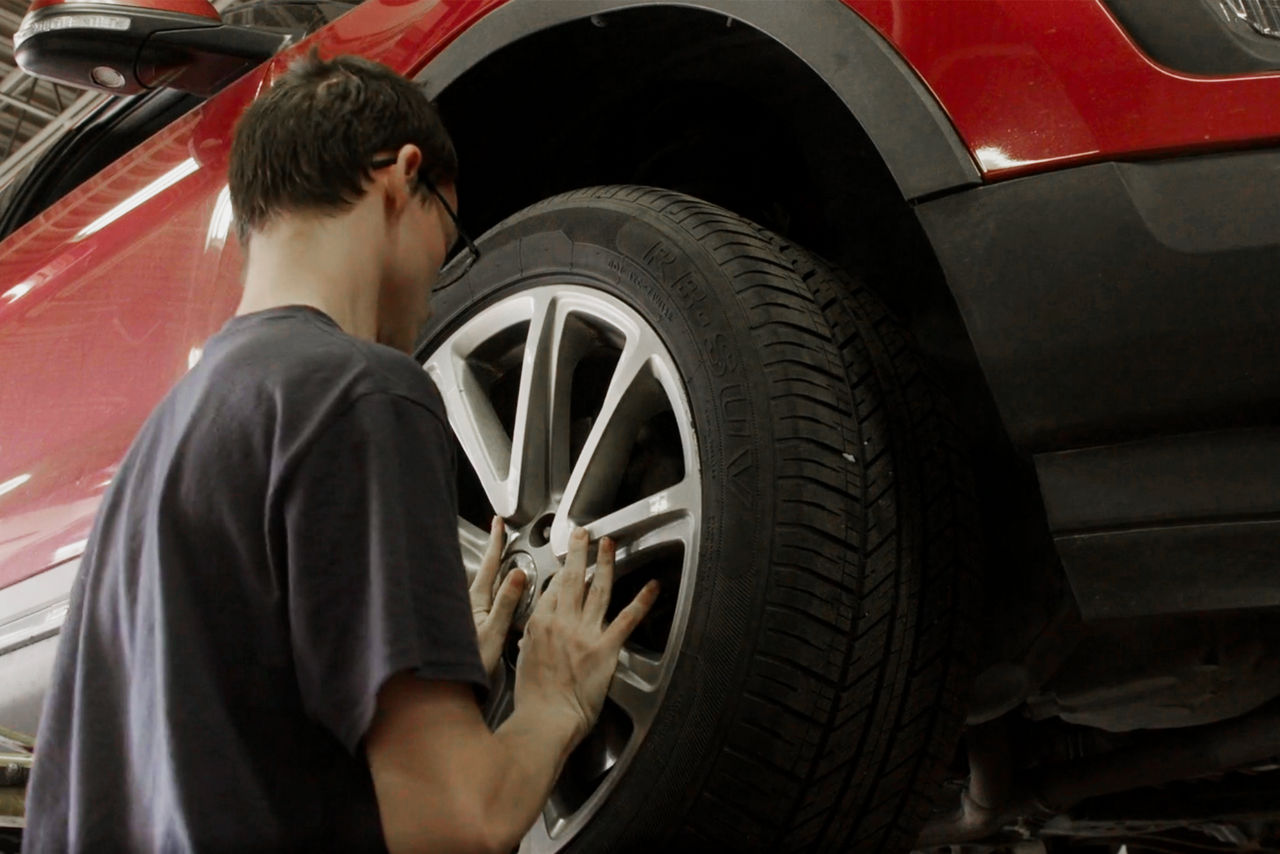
(318, 262)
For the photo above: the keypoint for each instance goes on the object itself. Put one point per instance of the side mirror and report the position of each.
(127, 46)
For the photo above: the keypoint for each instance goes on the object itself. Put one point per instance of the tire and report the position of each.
(806, 638)
(922, 606)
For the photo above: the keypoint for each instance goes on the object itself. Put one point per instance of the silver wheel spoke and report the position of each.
(538, 840)
(540, 442)
(635, 685)
(661, 519)
(474, 542)
(517, 472)
(484, 442)
(601, 463)
(647, 667)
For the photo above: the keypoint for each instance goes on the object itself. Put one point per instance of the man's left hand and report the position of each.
(493, 612)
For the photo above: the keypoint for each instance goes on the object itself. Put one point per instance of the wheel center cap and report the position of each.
(525, 563)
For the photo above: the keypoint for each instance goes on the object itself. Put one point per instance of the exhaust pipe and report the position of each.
(989, 802)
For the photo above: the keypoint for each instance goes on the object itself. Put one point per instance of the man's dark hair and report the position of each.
(306, 145)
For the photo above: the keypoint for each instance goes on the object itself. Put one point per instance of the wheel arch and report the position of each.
(809, 124)
(901, 117)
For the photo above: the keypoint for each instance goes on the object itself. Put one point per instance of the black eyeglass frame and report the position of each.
(473, 251)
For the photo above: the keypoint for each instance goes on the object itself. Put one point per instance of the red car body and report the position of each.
(1098, 237)
(106, 297)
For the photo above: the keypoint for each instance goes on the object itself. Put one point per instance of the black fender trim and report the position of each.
(1124, 315)
(1182, 569)
(1197, 37)
(909, 129)
(1120, 301)
(1168, 525)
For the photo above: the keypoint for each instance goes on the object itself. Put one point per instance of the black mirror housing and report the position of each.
(125, 49)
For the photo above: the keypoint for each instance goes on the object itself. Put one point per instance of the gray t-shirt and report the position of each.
(280, 539)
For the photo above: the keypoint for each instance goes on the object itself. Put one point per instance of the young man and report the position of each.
(271, 644)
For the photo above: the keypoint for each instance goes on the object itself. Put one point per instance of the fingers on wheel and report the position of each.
(631, 616)
(572, 578)
(481, 592)
(493, 552)
(504, 605)
(546, 605)
(601, 583)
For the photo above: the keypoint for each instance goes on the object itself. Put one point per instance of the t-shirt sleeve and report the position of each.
(375, 578)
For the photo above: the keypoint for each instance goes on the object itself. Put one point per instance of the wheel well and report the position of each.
(680, 98)
(694, 101)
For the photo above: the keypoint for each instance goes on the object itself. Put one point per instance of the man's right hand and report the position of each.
(444, 782)
(568, 655)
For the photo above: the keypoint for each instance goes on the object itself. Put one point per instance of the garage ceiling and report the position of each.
(32, 112)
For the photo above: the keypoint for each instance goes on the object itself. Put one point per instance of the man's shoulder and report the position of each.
(389, 371)
(299, 353)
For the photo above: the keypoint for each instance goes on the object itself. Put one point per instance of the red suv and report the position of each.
(926, 349)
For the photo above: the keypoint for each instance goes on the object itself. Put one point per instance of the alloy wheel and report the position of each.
(570, 411)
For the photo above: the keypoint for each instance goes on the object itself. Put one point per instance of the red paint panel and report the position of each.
(108, 296)
(99, 335)
(1038, 84)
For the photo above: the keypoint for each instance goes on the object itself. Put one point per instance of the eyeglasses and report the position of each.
(464, 253)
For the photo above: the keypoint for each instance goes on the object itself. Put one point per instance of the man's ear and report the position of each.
(402, 177)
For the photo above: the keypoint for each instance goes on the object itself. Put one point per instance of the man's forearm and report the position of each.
(445, 783)
(535, 744)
